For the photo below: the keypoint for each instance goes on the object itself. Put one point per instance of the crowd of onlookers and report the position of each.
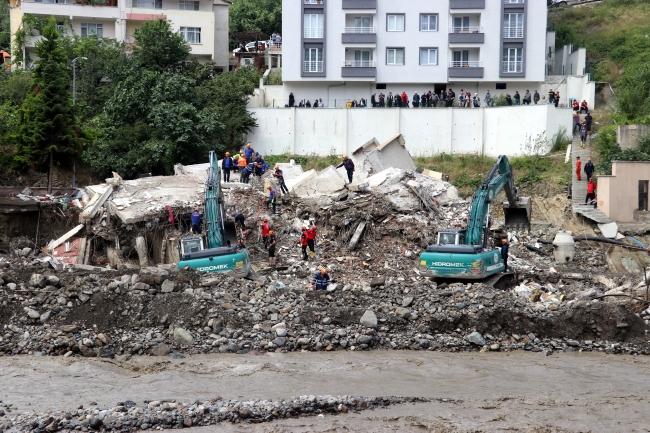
(444, 98)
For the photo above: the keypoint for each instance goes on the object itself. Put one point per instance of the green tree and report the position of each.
(5, 29)
(249, 15)
(48, 127)
(228, 94)
(157, 47)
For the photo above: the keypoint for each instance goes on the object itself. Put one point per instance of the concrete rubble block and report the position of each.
(37, 280)
(369, 319)
(153, 275)
(475, 338)
(303, 179)
(183, 337)
(609, 231)
(387, 177)
(167, 286)
(400, 197)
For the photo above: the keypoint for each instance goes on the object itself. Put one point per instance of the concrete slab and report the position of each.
(386, 177)
(294, 183)
(325, 182)
(608, 230)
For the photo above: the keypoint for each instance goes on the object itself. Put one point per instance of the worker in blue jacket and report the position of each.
(504, 254)
(321, 280)
(196, 221)
(272, 198)
(246, 173)
(226, 165)
(248, 153)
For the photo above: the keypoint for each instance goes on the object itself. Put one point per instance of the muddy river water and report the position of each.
(524, 392)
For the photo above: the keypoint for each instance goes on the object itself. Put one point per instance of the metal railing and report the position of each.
(309, 66)
(109, 3)
(314, 32)
(466, 29)
(359, 63)
(512, 66)
(364, 30)
(314, 2)
(514, 1)
(465, 64)
(513, 32)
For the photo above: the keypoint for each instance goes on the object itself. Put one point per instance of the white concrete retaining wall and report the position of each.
(489, 131)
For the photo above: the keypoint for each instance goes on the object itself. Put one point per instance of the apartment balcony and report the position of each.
(465, 69)
(359, 35)
(359, 69)
(316, 4)
(102, 9)
(312, 66)
(359, 4)
(313, 32)
(512, 67)
(466, 4)
(466, 35)
(513, 32)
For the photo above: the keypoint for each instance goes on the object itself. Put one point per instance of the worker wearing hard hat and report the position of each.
(272, 198)
(279, 176)
(349, 166)
(266, 228)
(311, 241)
(321, 280)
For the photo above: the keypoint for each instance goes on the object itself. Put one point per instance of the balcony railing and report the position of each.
(313, 2)
(512, 67)
(313, 32)
(465, 64)
(359, 64)
(466, 29)
(112, 3)
(309, 66)
(360, 30)
(513, 32)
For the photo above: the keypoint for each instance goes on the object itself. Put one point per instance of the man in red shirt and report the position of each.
(266, 228)
(311, 240)
(304, 241)
(591, 192)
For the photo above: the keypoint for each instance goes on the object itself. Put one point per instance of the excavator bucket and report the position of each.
(518, 217)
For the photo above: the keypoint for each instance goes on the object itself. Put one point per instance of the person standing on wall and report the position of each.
(349, 166)
(536, 97)
(292, 100)
(226, 165)
(488, 99)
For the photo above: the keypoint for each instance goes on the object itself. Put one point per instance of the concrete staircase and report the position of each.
(579, 187)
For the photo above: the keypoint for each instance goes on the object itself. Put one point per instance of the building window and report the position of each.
(395, 23)
(429, 23)
(60, 26)
(395, 56)
(461, 59)
(428, 56)
(362, 25)
(191, 34)
(188, 5)
(514, 1)
(513, 25)
(314, 26)
(461, 25)
(150, 4)
(92, 29)
(512, 60)
(313, 60)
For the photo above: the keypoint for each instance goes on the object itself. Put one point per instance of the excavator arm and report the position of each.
(214, 213)
(517, 210)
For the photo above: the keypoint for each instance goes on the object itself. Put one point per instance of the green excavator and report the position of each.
(463, 254)
(217, 250)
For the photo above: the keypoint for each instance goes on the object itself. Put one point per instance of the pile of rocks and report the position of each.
(166, 311)
(128, 416)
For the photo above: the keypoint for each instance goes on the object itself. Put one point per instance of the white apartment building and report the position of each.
(203, 23)
(339, 50)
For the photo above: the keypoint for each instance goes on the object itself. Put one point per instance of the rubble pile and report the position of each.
(128, 416)
(165, 311)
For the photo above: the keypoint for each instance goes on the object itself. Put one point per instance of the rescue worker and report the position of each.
(591, 192)
(311, 241)
(235, 162)
(504, 253)
(321, 280)
(259, 166)
(271, 199)
(241, 163)
(246, 173)
(226, 165)
(279, 176)
(349, 166)
(240, 245)
(589, 169)
(248, 153)
(240, 220)
(271, 239)
(583, 133)
(304, 242)
(578, 167)
(196, 221)
(266, 228)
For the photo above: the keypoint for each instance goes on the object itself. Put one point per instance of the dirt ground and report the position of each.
(516, 392)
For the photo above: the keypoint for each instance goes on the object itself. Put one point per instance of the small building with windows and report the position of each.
(341, 50)
(203, 23)
(623, 196)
